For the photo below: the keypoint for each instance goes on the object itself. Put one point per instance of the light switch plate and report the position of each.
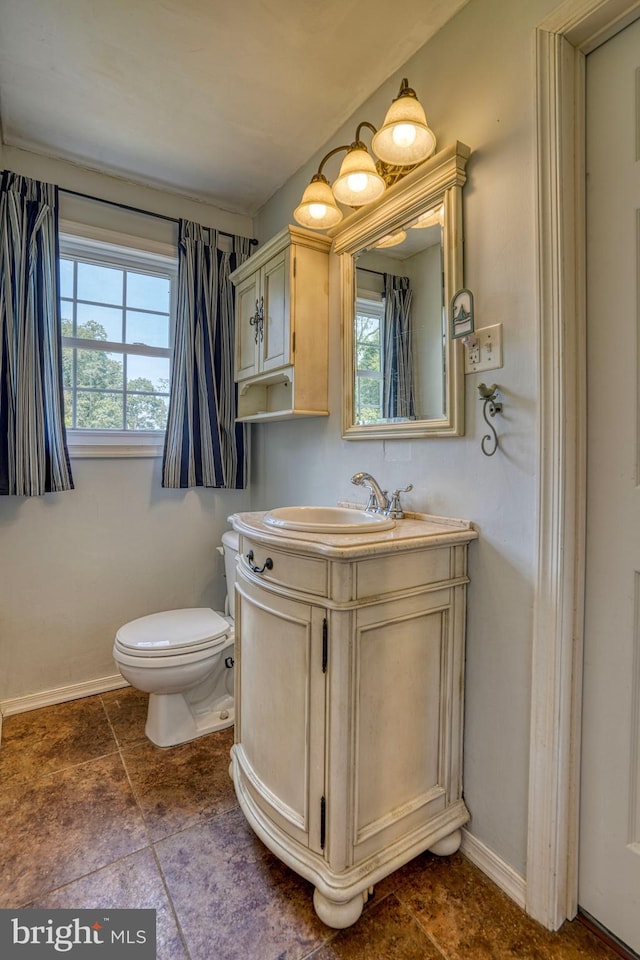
(486, 354)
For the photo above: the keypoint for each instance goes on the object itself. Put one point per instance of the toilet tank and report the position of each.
(230, 547)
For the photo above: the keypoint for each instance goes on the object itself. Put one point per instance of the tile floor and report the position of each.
(93, 815)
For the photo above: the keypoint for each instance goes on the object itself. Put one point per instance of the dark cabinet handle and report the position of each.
(267, 565)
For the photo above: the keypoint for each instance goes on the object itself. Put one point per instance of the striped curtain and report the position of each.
(398, 392)
(33, 452)
(204, 446)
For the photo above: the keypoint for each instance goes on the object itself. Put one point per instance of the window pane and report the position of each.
(148, 374)
(148, 293)
(368, 358)
(99, 323)
(103, 284)
(68, 408)
(66, 318)
(67, 367)
(146, 412)
(369, 392)
(148, 328)
(367, 328)
(100, 411)
(66, 278)
(99, 370)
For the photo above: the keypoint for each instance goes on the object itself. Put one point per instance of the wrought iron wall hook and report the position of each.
(488, 395)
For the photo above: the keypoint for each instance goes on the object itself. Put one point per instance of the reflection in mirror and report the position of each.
(400, 265)
(399, 336)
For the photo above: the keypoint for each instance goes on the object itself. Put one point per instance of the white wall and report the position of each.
(476, 81)
(74, 566)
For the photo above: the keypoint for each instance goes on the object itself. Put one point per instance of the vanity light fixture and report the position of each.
(403, 141)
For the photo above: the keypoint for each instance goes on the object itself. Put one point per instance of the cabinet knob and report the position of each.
(257, 320)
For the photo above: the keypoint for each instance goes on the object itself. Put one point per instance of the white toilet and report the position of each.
(184, 660)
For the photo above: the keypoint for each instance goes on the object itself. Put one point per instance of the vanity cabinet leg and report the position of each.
(338, 915)
(448, 845)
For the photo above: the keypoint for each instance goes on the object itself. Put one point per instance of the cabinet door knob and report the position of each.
(257, 320)
(267, 565)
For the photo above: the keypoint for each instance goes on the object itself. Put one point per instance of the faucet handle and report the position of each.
(395, 510)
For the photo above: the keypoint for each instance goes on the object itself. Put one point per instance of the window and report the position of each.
(368, 360)
(117, 310)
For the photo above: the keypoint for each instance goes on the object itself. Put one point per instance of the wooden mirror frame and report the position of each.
(436, 181)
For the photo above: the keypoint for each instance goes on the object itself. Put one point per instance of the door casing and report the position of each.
(563, 40)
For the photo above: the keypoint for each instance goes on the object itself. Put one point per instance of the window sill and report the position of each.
(87, 444)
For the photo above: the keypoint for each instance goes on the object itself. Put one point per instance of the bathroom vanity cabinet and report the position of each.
(349, 660)
(281, 340)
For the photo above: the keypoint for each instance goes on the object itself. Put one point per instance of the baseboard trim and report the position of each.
(73, 691)
(495, 868)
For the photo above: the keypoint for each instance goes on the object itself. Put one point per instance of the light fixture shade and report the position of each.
(431, 218)
(391, 239)
(317, 208)
(358, 181)
(405, 137)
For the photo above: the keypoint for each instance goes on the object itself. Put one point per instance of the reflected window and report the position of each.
(368, 360)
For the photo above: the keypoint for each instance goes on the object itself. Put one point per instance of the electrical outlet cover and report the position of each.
(486, 354)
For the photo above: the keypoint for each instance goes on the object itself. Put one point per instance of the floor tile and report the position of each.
(40, 742)
(386, 931)
(127, 712)
(61, 827)
(234, 899)
(134, 883)
(178, 787)
(469, 918)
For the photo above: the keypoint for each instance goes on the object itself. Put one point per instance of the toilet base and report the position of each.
(171, 720)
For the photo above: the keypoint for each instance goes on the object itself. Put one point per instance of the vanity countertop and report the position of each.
(415, 531)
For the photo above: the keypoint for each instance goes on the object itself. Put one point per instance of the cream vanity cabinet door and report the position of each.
(281, 339)
(280, 699)
(406, 721)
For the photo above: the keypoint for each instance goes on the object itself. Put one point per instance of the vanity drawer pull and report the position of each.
(267, 565)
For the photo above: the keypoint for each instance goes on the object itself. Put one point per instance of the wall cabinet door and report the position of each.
(274, 341)
(262, 319)
(248, 294)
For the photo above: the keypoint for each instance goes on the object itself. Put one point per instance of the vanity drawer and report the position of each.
(303, 574)
(403, 571)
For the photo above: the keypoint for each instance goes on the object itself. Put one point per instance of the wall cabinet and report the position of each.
(349, 699)
(281, 341)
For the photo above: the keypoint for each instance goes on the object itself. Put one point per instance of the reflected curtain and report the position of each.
(34, 458)
(204, 446)
(398, 388)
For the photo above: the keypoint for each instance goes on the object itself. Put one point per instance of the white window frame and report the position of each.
(95, 245)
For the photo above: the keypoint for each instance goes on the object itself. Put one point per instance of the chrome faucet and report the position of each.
(378, 502)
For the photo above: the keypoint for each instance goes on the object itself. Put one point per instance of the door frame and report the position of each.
(562, 42)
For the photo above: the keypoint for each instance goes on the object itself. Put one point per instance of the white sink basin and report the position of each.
(327, 520)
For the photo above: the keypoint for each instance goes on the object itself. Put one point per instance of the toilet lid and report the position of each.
(173, 631)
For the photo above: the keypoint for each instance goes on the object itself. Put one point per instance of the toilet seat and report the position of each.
(173, 632)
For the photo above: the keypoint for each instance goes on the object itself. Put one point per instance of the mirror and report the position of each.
(400, 265)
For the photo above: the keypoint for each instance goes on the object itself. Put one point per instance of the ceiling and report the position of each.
(222, 100)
